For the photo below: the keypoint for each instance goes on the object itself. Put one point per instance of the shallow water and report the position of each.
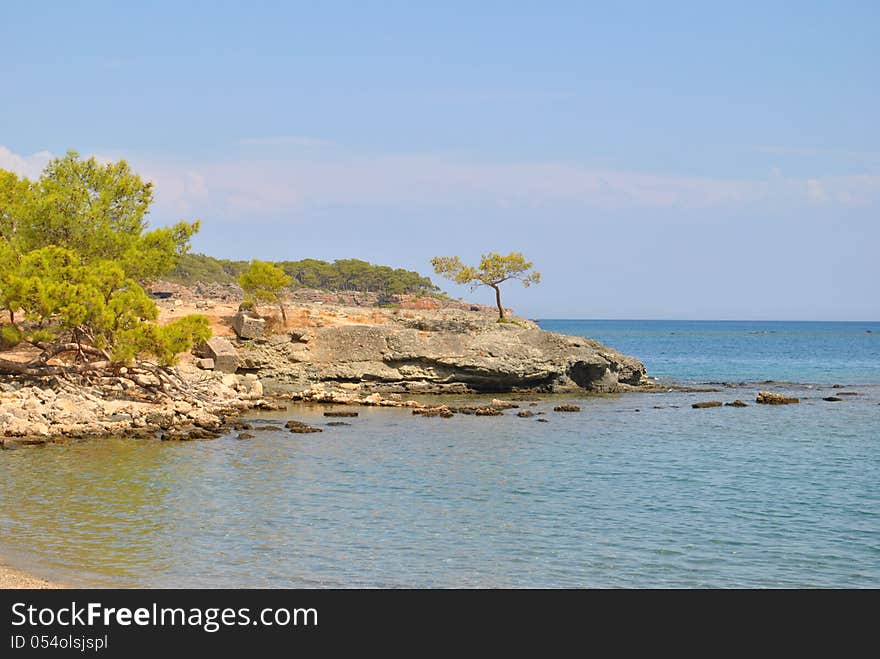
(666, 496)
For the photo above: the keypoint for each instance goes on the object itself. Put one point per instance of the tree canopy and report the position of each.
(75, 250)
(493, 270)
(341, 275)
(264, 282)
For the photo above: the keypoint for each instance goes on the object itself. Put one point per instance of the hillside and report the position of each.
(352, 275)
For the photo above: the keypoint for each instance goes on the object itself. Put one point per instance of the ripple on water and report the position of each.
(758, 497)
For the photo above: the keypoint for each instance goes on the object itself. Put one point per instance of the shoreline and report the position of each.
(14, 579)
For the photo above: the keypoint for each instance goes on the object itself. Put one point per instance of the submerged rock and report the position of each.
(832, 399)
(342, 414)
(567, 408)
(524, 414)
(300, 427)
(736, 403)
(770, 398)
(442, 411)
(478, 410)
(708, 403)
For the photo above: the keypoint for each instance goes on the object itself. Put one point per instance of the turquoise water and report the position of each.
(704, 351)
(634, 491)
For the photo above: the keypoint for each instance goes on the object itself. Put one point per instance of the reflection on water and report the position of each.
(609, 497)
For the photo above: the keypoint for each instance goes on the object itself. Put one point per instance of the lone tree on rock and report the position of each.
(265, 282)
(494, 270)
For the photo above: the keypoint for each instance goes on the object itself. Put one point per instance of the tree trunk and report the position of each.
(498, 302)
(283, 313)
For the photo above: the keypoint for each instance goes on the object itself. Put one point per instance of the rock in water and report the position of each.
(567, 408)
(769, 398)
(441, 411)
(708, 403)
(300, 427)
(736, 403)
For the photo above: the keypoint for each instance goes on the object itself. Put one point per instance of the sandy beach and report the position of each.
(12, 579)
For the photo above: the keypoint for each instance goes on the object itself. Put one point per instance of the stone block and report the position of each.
(223, 353)
(248, 327)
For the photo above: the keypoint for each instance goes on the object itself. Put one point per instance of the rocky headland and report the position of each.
(446, 351)
(328, 352)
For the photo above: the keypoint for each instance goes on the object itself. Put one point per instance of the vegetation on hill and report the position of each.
(341, 275)
(264, 282)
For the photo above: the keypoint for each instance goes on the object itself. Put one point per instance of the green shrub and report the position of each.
(10, 336)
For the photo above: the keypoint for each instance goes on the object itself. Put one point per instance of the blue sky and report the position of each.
(655, 160)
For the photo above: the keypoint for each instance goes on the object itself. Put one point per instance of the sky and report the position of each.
(683, 160)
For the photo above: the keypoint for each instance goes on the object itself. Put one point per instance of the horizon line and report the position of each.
(714, 320)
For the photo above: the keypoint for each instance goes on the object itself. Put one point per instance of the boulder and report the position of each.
(708, 403)
(769, 398)
(205, 363)
(247, 326)
(736, 403)
(441, 411)
(223, 353)
(300, 428)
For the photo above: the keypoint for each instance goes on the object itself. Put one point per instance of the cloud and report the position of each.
(249, 188)
(816, 192)
(28, 166)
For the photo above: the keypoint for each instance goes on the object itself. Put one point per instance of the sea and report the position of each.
(634, 491)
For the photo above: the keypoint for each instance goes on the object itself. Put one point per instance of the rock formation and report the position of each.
(221, 352)
(769, 398)
(445, 351)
